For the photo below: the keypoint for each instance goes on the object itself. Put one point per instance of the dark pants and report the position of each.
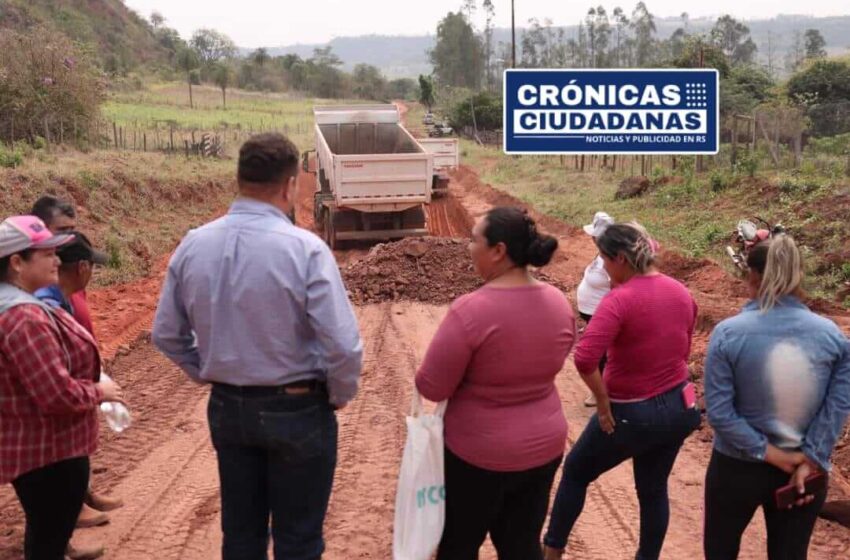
(604, 359)
(276, 457)
(649, 432)
(52, 498)
(734, 490)
(511, 506)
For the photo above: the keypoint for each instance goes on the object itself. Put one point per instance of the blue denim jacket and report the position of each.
(780, 377)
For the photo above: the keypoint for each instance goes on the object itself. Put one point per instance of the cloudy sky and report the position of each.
(256, 23)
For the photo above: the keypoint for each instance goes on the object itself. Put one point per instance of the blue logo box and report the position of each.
(611, 111)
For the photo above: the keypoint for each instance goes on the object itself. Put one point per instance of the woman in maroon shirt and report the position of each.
(645, 404)
(49, 393)
(495, 358)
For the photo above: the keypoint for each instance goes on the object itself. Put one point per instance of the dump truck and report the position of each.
(446, 159)
(373, 177)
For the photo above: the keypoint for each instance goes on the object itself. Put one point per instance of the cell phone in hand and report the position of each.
(787, 495)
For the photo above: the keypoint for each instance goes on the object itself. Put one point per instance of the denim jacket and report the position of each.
(780, 377)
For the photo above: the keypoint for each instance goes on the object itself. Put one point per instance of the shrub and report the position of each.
(46, 83)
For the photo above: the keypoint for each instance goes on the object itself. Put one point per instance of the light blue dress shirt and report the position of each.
(252, 300)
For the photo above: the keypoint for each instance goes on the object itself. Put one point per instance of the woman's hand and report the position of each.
(798, 479)
(787, 461)
(110, 391)
(606, 417)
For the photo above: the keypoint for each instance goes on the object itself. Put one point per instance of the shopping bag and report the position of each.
(420, 503)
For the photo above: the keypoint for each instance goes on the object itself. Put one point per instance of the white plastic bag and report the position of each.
(420, 502)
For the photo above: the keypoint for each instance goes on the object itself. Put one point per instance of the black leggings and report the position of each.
(511, 506)
(734, 489)
(604, 359)
(52, 498)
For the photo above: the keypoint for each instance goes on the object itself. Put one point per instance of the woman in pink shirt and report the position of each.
(495, 358)
(645, 403)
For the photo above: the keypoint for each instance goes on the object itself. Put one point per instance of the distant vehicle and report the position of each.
(428, 118)
(446, 159)
(440, 130)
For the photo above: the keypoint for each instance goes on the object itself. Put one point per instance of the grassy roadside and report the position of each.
(691, 213)
(133, 206)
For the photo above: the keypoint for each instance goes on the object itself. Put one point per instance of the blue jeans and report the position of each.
(649, 432)
(276, 458)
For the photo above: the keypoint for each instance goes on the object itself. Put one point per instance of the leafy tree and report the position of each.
(402, 88)
(157, 19)
(733, 38)
(490, 13)
(487, 108)
(823, 81)
(368, 83)
(815, 44)
(260, 57)
(697, 52)
(46, 80)
(457, 56)
(426, 91)
(188, 61)
(212, 46)
(222, 76)
(621, 22)
(643, 27)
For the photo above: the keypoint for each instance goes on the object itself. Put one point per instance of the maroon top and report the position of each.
(646, 326)
(495, 357)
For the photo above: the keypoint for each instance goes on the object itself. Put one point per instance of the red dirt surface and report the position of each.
(165, 469)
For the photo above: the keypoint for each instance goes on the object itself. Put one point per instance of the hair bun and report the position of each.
(541, 249)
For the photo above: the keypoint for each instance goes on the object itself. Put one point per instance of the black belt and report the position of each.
(303, 387)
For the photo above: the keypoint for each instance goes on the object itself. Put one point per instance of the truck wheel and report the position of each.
(329, 229)
(318, 210)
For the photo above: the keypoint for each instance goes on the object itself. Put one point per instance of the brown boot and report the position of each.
(102, 502)
(92, 553)
(91, 518)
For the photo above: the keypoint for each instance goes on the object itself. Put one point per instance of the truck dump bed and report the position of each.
(370, 162)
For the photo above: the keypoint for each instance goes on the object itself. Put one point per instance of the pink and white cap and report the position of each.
(19, 233)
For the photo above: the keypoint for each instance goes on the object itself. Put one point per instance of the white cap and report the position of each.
(601, 221)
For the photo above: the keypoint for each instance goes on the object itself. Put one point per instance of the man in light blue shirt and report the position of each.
(256, 307)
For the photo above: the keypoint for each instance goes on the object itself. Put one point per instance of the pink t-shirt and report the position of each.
(495, 357)
(646, 326)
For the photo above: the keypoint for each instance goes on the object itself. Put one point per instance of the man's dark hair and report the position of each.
(47, 207)
(268, 159)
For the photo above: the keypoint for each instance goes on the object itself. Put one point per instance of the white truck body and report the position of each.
(374, 177)
(444, 150)
(371, 162)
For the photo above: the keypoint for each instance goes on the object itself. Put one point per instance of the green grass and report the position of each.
(163, 105)
(692, 214)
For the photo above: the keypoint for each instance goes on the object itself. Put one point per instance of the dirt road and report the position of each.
(165, 468)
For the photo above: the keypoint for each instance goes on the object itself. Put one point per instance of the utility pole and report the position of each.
(513, 36)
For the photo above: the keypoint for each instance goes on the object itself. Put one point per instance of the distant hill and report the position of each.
(407, 56)
(122, 38)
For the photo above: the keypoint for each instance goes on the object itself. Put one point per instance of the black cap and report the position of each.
(80, 249)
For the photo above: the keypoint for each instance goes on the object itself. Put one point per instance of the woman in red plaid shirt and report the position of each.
(49, 391)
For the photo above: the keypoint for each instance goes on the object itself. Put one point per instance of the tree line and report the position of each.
(209, 56)
(466, 57)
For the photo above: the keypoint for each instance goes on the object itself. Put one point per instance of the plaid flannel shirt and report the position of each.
(48, 399)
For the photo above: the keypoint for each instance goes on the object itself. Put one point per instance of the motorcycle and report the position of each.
(747, 235)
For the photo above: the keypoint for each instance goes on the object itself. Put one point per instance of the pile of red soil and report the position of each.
(434, 270)
(427, 269)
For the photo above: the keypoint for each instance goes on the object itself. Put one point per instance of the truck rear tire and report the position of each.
(328, 228)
